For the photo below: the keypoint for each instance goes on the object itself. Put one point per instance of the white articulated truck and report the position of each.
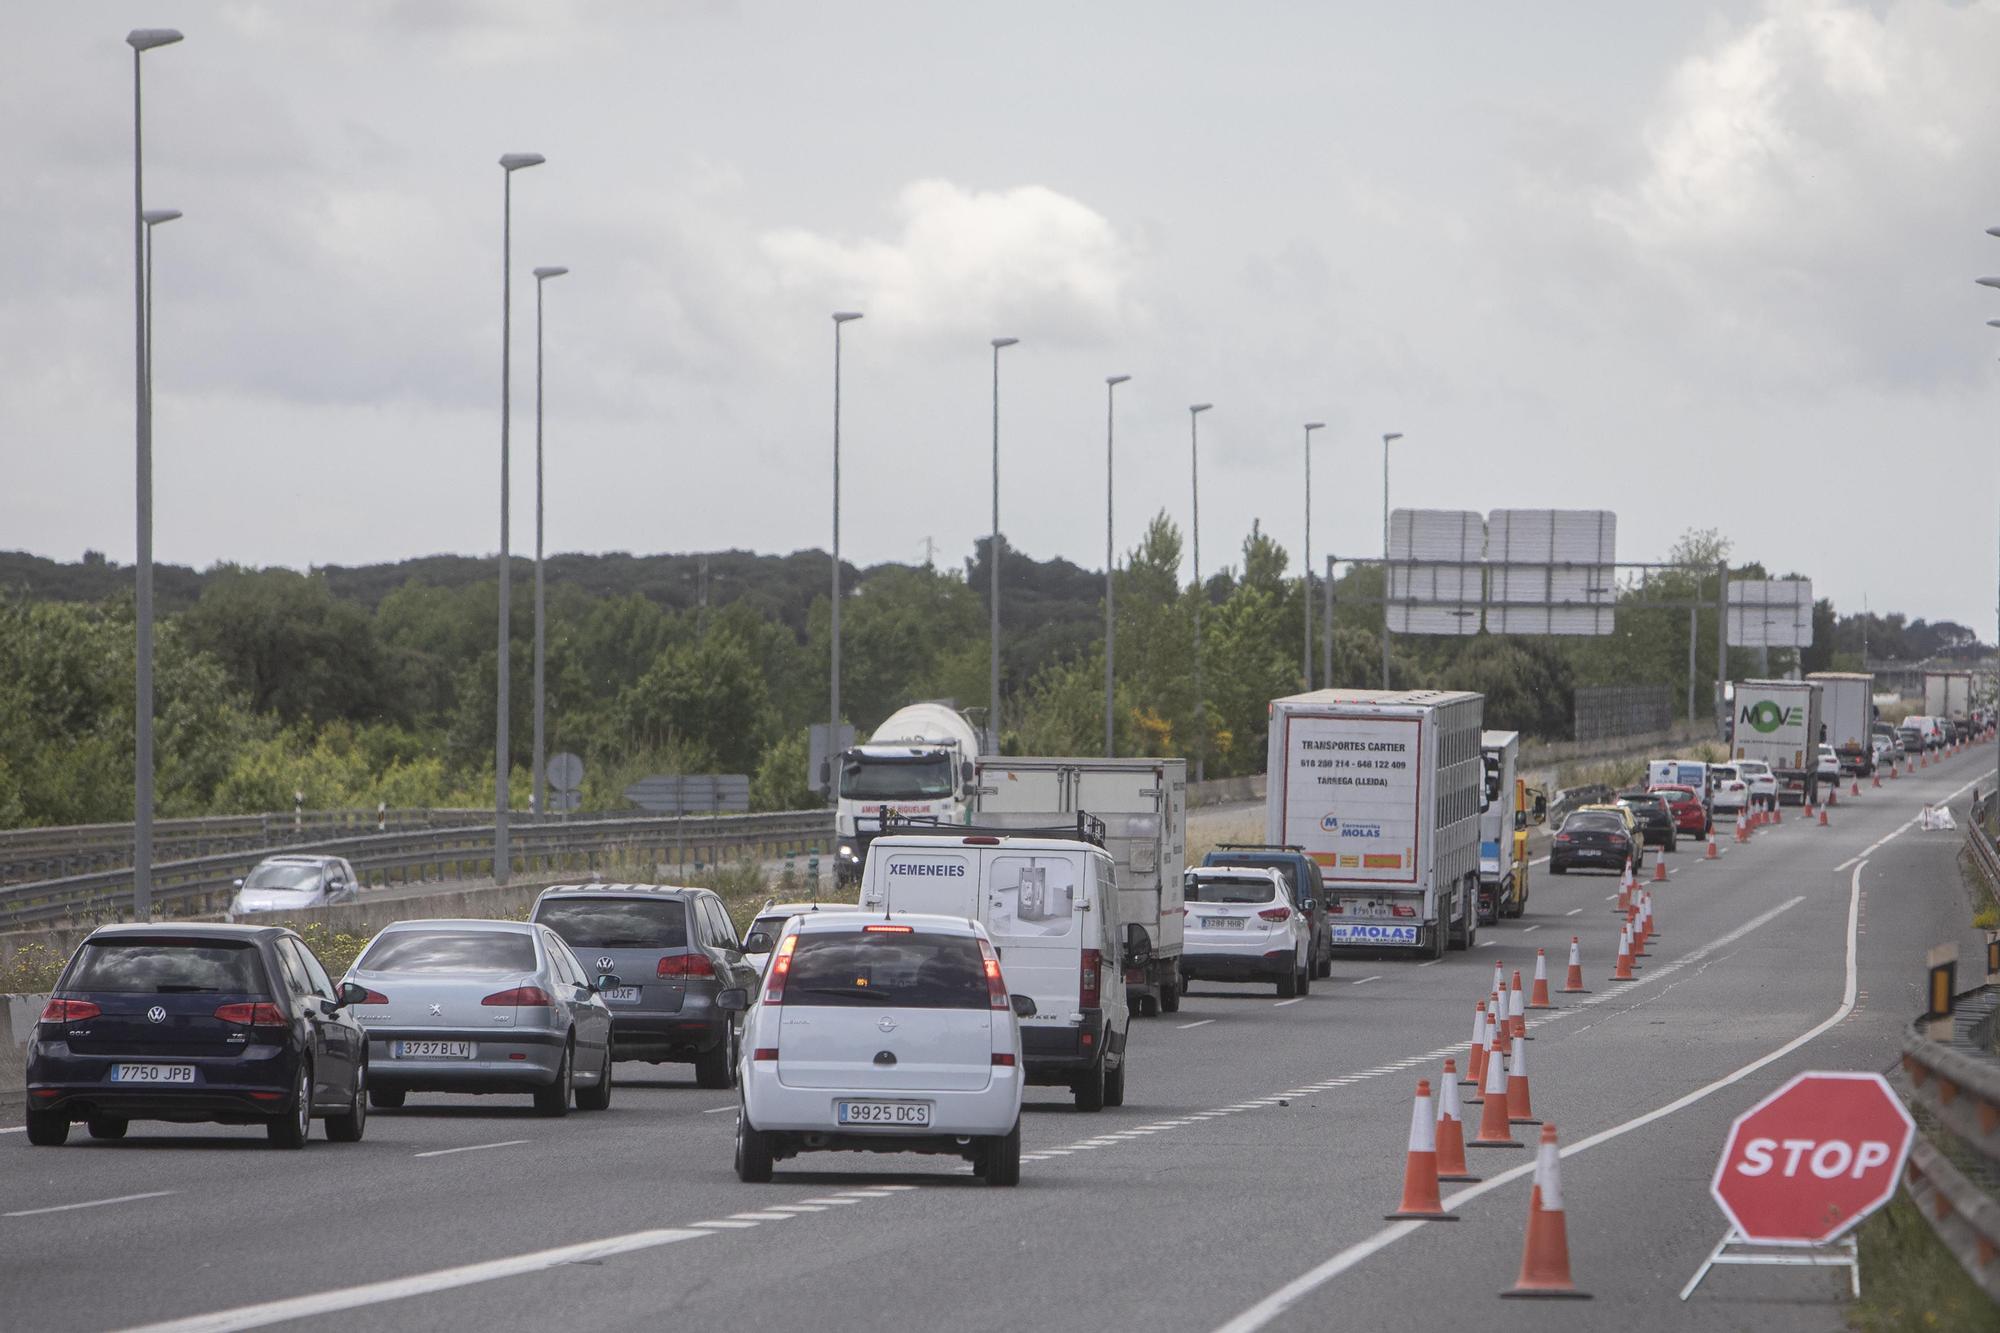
(1847, 710)
(1382, 788)
(1778, 722)
(918, 762)
(1143, 806)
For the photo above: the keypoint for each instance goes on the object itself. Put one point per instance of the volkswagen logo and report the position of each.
(156, 1014)
(887, 1024)
(604, 963)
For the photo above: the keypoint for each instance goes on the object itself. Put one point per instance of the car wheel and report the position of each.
(48, 1129)
(598, 1096)
(1673, 842)
(1148, 1006)
(554, 1100)
(711, 1067)
(1288, 983)
(753, 1151)
(1114, 1083)
(1306, 978)
(293, 1127)
(1089, 1089)
(349, 1128)
(1170, 995)
(1002, 1164)
(1557, 868)
(386, 1099)
(104, 1127)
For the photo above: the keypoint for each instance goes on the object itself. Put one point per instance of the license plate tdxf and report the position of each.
(913, 1114)
(622, 995)
(432, 1050)
(152, 1073)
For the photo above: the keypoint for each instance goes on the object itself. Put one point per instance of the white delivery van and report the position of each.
(1049, 900)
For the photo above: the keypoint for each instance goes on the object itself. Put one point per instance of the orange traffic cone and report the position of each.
(1822, 819)
(1857, 786)
(1494, 1131)
(1499, 1028)
(1833, 797)
(1420, 1168)
(1660, 870)
(1500, 979)
(1475, 1060)
(1451, 1128)
(1711, 854)
(1545, 1256)
(1743, 828)
(1538, 998)
(1519, 1112)
(1875, 780)
(1623, 971)
(1573, 983)
(1517, 1012)
(1893, 772)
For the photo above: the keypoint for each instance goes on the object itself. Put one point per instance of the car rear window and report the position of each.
(1231, 891)
(169, 966)
(1284, 866)
(1594, 823)
(914, 971)
(617, 923)
(284, 877)
(449, 951)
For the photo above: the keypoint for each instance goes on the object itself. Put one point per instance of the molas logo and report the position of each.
(1766, 717)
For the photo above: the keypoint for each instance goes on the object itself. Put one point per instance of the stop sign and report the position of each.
(1813, 1158)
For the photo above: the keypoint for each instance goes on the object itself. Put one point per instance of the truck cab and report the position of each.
(918, 763)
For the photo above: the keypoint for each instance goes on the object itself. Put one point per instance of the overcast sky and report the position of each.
(1704, 265)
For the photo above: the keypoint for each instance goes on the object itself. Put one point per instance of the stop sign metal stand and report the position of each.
(1736, 1248)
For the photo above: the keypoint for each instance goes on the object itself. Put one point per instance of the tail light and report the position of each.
(528, 997)
(686, 965)
(880, 929)
(1088, 990)
(1401, 909)
(1564, 837)
(261, 1014)
(781, 967)
(1276, 914)
(996, 986)
(69, 1011)
(764, 1053)
(1003, 1059)
(374, 997)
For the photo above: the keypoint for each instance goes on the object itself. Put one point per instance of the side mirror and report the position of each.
(237, 882)
(351, 992)
(965, 773)
(756, 942)
(608, 981)
(732, 1001)
(1024, 1006)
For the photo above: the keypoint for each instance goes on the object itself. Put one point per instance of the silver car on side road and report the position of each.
(483, 1006)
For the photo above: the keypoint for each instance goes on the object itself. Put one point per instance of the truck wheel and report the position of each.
(1438, 941)
(1089, 1089)
(1326, 961)
(1170, 996)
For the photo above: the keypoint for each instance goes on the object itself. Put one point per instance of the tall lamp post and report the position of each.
(1392, 435)
(509, 164)
(840, 317)
(142, 40)
(1994, 282)
(539, 797)
(993, 561)
(1194, 532)
(1111, 383)
(1306, 563)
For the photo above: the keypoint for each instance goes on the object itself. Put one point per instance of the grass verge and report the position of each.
(1910, 1281)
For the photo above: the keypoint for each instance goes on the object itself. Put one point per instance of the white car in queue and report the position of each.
(873, 1034)
(769, 923)
(1243, 926)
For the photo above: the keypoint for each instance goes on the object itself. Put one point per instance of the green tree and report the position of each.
(707, 697)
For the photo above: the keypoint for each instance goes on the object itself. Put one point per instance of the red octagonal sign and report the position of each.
(1813, 1158)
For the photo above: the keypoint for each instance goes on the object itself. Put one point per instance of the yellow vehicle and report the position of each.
(1510, 806)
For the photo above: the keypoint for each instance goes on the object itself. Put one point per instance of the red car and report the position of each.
(1690, 815)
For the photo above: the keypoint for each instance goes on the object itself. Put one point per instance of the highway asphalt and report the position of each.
(1242, 1186)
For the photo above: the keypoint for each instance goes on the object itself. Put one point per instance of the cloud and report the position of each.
(1027, 260)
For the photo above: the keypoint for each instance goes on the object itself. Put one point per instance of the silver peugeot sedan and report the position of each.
(483, 1007)
(291, 881)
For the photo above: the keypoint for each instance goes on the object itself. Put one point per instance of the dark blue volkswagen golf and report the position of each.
(193, 1022)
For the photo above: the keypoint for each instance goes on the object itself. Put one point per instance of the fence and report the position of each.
(1606, 711)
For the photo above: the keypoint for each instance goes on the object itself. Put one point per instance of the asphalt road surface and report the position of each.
(1242, 1186)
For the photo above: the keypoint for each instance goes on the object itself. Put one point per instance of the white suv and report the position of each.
(1762, 781)
(1243, 926)
(876, 1035)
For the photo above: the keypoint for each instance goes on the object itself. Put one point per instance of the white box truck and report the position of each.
(1778, 722)
(1382, 788)
(1142, 804)
(1947, 694)
(918, 762)
(1847, 710)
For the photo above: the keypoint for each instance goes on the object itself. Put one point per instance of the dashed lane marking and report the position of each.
(1199, 1022)
(1282, 1003)
(471, 1147)
(1365, 980)
(89, 1203)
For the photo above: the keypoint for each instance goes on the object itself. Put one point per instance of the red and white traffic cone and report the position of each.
(1573, 983)
(1494, 1131)
(1499, 1027)
(1833, 796)
(1894, 772)
(1743, 827)
(1519, 1110)
(1660, 869)
(1648, 926)
(1857, 786)
(1499, 978)
(1822, 819)
(1545, 1256)
(1623, 971)
(1420, 1168)
(1538, 998)
(1875, 779)
(1517, 1012)
(1711, 854)
(1475, 1060)
(1451, 1128)
(1634, 936)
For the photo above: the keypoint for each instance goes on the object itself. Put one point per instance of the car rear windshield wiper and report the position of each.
(174, 988)
(851, 992)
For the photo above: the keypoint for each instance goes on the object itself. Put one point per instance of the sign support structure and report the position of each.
(1735, 1248)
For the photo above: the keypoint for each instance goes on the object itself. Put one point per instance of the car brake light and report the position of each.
(781, 966)
(374, 997)
(982, 840)
(69, 1011)
(996, 986)
(1564, 837)
(686, 965)
(1402, 910)
(764, 1053)
(529, 997)
(1088, 987)
(1003, 1059)
(1336, 909)
(1276, 913)
(261, 1014)
(886, 930)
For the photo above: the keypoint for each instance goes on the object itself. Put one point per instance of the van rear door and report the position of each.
(1037, 903)
(941, 879)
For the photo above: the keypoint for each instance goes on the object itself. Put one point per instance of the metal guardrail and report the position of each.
(205, 883)
(1569, 798)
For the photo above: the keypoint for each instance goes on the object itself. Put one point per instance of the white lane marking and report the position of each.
(1487, 944)
(718, 1110)
(91, 1203)
(1365, 980)
(1262, 1313)
(726, 1224)
(1199, 1022)
(1525, 930)
(476, 1147)
(1572, 911)
(1282, 1003)
(760, 1217)
(1432, 963)
(15, 1129)
(1539, 861)
(796, 1208)
(420, 1284)
(828, 1199)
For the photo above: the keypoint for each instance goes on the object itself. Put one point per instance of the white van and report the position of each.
(1050, 905)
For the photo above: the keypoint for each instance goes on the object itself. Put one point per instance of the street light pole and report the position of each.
(142, 40)
(539, 797)
(1111, 383)
(1306, 560)
(1392, 435)
(993, 561)
(1194, 532)
(1994, 282)
(502, 769)
(840, 317)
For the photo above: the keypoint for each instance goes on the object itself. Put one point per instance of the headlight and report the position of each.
(846, 850)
